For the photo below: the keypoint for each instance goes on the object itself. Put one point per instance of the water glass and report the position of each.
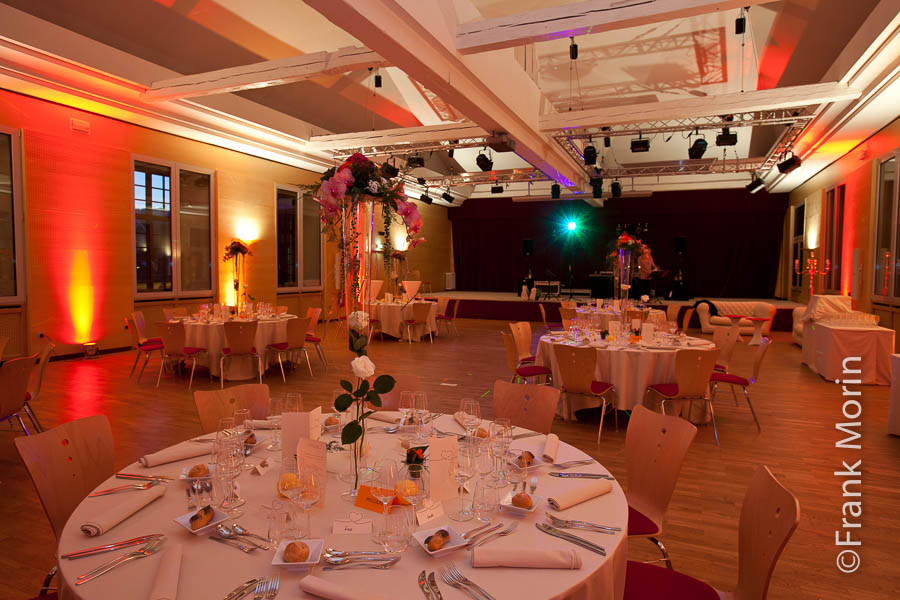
(282, 524)
(310, 493)
(407, 409)
(471, 414)
(276, 405)
(293, 402)
(463, 469)
(398, 528)
(485, 500)
(424, 425)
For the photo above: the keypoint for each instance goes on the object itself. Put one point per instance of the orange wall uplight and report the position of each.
(81, 297)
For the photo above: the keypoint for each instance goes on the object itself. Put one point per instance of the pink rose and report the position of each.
(416, 242)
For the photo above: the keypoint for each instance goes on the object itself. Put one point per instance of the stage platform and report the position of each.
(505, 306)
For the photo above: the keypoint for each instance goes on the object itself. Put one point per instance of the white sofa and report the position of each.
(726, 307)
(828, 309)
(797, 330)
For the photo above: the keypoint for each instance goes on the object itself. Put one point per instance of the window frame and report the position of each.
(797, 239)
(175, 231)
(15, 143)
(299, 224)
(321, 285)
(832, 250)
(895, 212)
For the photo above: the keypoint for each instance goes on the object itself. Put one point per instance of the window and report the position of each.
(287, 222)
(312, 245)
(799, 227)
(11, 275)
(173, 257)
(887, 267)
(833, 238)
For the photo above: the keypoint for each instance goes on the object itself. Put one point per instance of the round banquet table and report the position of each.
(629, 368)
(210, 570)
(211, 335)
(393, 318)
(657, 317)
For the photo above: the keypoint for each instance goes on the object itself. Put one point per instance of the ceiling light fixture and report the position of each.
(573, 49)
(616, 189)
(496, 189)
(789, 164)
(696, 150)
(426, 199)
(756, 184)
(740, 24)
(484, 163)
(640, 145)
(555, 191)
(447, 196)
(726, 138)
(590, 155)
(607, 141)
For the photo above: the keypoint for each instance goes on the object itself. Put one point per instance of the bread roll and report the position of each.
(201, 518)
(525, 459)
(296, 552)
(332, 420)
(200, 470)
(522, 500)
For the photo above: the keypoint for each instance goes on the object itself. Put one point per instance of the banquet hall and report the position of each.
(447, 299)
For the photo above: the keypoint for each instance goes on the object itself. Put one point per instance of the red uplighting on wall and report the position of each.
(81, 297)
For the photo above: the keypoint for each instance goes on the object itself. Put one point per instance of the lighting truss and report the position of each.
(400, 149)
(685, 167)
(480, 177)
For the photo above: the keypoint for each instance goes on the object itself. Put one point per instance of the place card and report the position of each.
(367, 500)
(297, 425)
(313, 455)
(262, 467)
(430, 510)
(442, 452)
(354, 523)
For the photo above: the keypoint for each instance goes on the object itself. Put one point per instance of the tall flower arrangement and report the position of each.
(237, 252)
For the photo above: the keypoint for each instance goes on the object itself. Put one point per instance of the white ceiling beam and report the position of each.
(265, 74)
(589, 16)
(400, 135)
(691, 107)
(493, 91)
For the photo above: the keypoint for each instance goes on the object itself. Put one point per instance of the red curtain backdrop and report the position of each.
(733, 240)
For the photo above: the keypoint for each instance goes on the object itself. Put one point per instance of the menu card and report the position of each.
(299, 425)
(442, 453)
(312, 455)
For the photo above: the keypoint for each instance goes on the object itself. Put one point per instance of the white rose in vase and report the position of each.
(358, 321)
(645, 298)
(362, 367)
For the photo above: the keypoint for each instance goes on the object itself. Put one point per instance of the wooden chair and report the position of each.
(686, 319)
(725, 339)
(448, 320)
(33, 395)
(571, 304)
(313, 314)
(143, 336)
(521, 333)
(672, 311)
(733, 380)
(403, 383)
(172, 313)
(173, 341)
(512, 360)
(213, 406)
(443, 304)
(655, 447)
(568, 314)
(4, 340)
(14, 376)
(692, 372)
(576, 376)
(567, 323)
(529, 406)
(769, 517)
(145, 348)
(240, 337)
(420, 313)
(296, 338)
(548, 326)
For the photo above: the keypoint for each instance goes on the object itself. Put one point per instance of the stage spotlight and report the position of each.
(590, 155)
(789, 164)
(496, 189)
(389, 170)
(640, 145)
(607, 141)
(573, 49)
(378, 81)
(415, 162)
(421, 180)
(426, 199)
(726, 138)
(450, 152)
(484, 163)
(755, 185)
(571, 225)
(696, 150)
(740, 24)
(616, 189)
(597, 191)
(555, 191)
(447, 196)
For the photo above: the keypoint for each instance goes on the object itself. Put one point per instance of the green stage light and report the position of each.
(572, 225)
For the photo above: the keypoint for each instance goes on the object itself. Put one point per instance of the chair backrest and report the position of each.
(14, 375)
(573, 304)
(576, 368)
(171, 313)
(420, 311)
(412, 287)
(240, 336)
(42, 365)
(725, 338)
(769, 516)
(568, 313)
(443, 303)
(655, 447)
(4, 340)
(672, 311)
(686, 319)
(521, 333)
(692, 371)
(566, 323)
(281, 310)
(213, 405)
(141, 324)
(173, 337)
(375, 286)
(512, 354)
(133, 331)
(403, 383)
(313, 314)
(66, 463)
(632, 314)
(543, 315)
(760, 355)
(526, 405)
(296, 332)
(456, 304)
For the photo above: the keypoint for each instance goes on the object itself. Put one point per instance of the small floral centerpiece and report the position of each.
(416, 455)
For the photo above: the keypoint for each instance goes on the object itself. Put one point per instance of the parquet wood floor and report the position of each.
(797, 410)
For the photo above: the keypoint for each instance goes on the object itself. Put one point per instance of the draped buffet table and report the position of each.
(826, 346)
(393, 317)
(211, 335)
(210, 570)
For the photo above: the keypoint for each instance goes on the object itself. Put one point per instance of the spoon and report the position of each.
(387, 564)
(346, 560)
(241, 531)
(228, 534)
(532, 484)
(346, 553)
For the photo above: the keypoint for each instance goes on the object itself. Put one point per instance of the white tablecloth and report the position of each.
(210, 570)
(630, 369)
(825, 347)
(212, 337)
(393, 317)
(657, 317)
(894, 411)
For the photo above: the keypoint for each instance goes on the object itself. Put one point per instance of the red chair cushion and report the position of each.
(313, 339)
(227, 351)
(729, 378)
(444, 318)
(669, 390)
(643, 581)
(600, 387)
(526, 359)
(150, 347)
(189, 350)
(27, 396)
(532, 371)
(154, 341)
(278, 346)
(410, 321)
(640, 524)
(52, 596)
(554, 325)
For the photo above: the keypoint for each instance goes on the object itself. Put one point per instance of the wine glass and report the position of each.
(242, 426)
(293, 402)
(516, 473)
(398, 526)
(484, 461)
(471, 414)
(423, 418)
(501, 438)
(310, 492)
(384, 486)
(226, 424)
(462, 469)
(485, 500)
(276, 405)
(229, 458)
(412, 484)
(407, 409)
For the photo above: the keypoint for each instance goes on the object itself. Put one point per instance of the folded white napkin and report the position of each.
(261, 424)
(332, 591)
(525, 558)
(387, 416)
(550, 447)
(106, 520)
(585, 491)
(165, 586)
(459, 416)
(180, 452)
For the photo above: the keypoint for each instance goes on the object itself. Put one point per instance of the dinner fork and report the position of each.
(453, 583)
(124, 488)
(573, 463)
(150, 548)
(463, 580)
(260, 590)
(274, 584)
(484, 540)
(565, 524)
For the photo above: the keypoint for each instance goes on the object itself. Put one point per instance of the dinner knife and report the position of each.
(571, 538)
(424, 586)
(520, 436)
(434, 587)
(582, 475)
(143, 477)
(243, 589)
(111, 547)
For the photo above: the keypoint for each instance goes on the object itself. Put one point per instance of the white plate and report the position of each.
(185, 521)
(184, 473)
(315, 553)
(456, 541)
(507, 506)
(514, 455)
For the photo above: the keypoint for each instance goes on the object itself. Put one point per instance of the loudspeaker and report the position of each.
(527, 247)
(680, 246)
